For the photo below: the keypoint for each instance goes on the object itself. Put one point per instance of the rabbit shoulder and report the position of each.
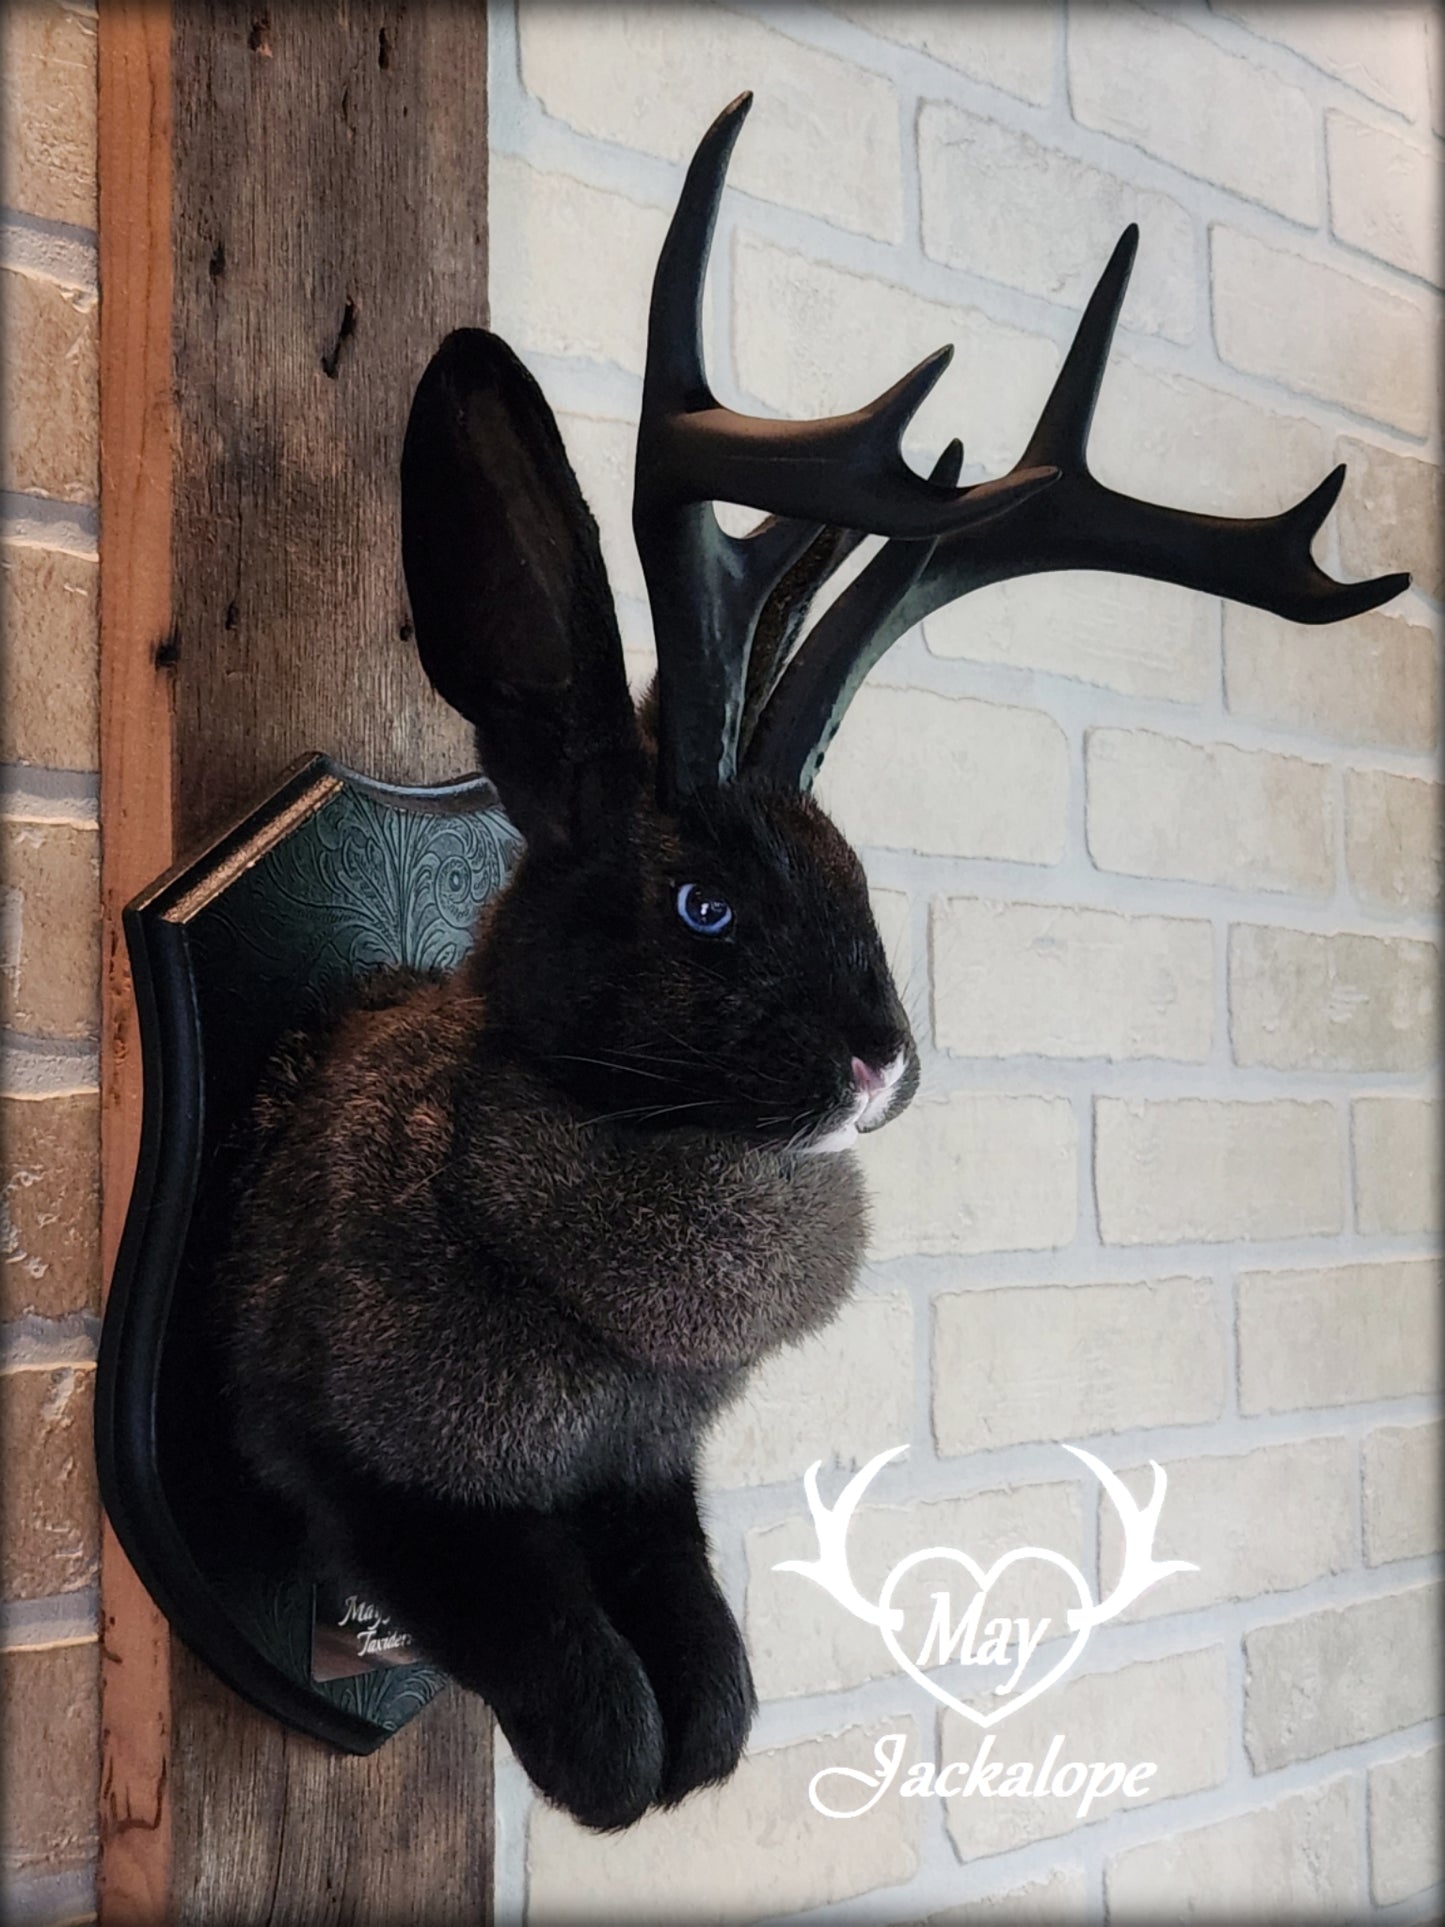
(443, 1272)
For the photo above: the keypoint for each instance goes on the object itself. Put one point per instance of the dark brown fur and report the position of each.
(614, 1284)
(511, 1240)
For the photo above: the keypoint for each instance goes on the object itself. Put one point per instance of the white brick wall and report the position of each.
(1158, 876)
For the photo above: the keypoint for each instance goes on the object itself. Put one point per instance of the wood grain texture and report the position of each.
(330, 229)
(136, 812)
(330, 162)
(273, 1828)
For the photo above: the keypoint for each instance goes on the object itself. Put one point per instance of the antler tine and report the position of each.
(707, 588)
(1068, 414)
(787, 740)
(674, 317)
(782, 618)
(1264, 561)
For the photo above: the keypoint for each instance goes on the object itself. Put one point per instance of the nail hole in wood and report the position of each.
(330, 363)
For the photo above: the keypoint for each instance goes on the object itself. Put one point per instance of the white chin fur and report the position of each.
(841, 1139)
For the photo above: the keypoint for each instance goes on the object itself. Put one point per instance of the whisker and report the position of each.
(650, 1110)
(604, 1063)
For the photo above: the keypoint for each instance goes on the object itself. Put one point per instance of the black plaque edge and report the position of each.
(154, 1238)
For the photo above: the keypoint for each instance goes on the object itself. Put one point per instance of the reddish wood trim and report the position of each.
(136, 817)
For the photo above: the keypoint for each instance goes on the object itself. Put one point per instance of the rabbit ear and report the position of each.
(514, 617)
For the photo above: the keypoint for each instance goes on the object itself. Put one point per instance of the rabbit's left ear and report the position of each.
(514, 618)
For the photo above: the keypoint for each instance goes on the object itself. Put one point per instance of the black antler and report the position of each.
(1077, 524)
(707, 589)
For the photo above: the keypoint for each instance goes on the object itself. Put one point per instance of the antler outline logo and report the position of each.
(1139, 1572)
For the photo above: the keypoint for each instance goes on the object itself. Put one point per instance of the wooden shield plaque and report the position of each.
(331, 877)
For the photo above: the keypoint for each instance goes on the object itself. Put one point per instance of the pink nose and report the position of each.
(866, 1078)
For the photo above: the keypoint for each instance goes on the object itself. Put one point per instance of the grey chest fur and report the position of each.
(464, 1284)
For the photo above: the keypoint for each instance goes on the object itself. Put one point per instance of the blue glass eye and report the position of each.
(708, 915)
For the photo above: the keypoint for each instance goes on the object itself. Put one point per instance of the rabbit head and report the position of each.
(706, 958)
(688, 939)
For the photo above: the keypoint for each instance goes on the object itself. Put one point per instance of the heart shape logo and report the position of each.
(892, 1621)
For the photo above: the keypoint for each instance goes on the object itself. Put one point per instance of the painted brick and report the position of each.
(610, 72)
(50, 1748)
(1371, 680)
(1384, 194)
(817, 340)
(1254, 1523)
(894, 917)
(1172, 1711)
(1390, 514)
(1121, 632)
(1048, 221)
(1384, 62)
(52, 1543)
(50, 1206)
(52, 438)
(49, 674)
(801, 1640)
(841, 1396)
(1070, 1361)
(1211, 113)
(1296, 1860)
(1049, 979)
(1402, 1492)
(579, 263)
(753, 1846)
(1176, 1170)
(1344, 1674)
(47, 58)
(1165, 437)
(974, 1171)
(1397, 1165)
(1344, 1335)
(1321, 331)
(1405, 1800)
(1060, 1896)
(601, 453)
(984, 779)
(1011, 48)
(51, 957)
(1208, 813)
(1392, 839)
(1303, 1000)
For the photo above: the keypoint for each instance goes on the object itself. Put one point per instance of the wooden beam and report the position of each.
(293, 209)
(328, 229)
(331, 197)
(136, 816)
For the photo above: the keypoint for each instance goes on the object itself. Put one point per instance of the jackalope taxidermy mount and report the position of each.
(511, 1239)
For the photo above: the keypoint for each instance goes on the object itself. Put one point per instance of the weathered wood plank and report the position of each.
(273, 1828)
(136, 811)
(330, 228)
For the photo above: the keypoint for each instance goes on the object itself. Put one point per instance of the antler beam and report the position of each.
(1077, 524)
(706, 588)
